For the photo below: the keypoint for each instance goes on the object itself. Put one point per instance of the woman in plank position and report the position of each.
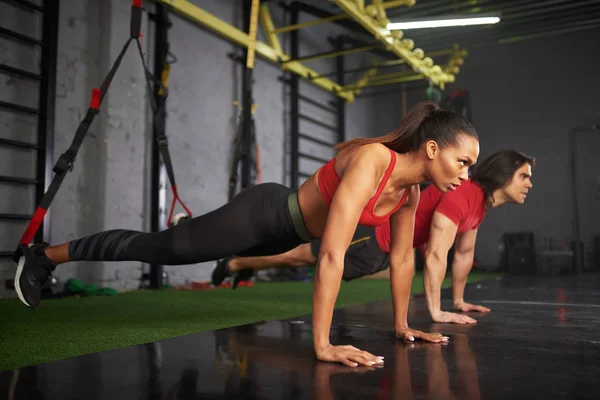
(368, 182)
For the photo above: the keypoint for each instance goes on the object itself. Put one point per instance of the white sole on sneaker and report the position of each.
(20, 267)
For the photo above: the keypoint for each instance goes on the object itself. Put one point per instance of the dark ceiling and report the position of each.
(520, 20)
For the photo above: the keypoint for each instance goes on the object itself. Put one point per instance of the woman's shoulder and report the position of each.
(376, 151)
(368, 155)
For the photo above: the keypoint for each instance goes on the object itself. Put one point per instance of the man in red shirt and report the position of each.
(442, 219)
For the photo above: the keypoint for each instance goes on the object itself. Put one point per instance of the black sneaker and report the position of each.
(220, 272)
(33, 270)
(242, 276)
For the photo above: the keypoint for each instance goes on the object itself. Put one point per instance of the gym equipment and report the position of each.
(458, 101)
(519, 254)
(245, 148)
(66, 161)
(238, 154)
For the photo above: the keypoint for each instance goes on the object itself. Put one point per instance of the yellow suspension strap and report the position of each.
(164, 75)
(164, 78)
(252, 34)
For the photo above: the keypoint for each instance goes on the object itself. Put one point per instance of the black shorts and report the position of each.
(363, 257)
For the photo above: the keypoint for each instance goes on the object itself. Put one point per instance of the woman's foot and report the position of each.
(33, 270)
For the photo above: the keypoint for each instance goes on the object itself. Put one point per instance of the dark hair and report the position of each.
(498, 169)
(426, 121)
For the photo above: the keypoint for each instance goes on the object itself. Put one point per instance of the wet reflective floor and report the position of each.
(541, 340)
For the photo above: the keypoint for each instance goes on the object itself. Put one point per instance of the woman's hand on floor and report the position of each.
(350, 356)
(411, 335)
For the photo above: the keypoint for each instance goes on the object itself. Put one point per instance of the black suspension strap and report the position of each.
(66, 160)
(246, 150)
(160, 114)
(238, 154)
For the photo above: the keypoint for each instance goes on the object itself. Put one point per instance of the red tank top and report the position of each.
(329, 182)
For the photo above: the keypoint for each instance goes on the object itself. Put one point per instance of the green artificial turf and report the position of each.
(67, 327)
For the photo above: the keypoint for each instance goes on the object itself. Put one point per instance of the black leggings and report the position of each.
(256, 222)
(363, 257)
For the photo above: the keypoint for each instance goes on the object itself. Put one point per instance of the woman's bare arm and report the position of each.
(402, 269)
(359, 181)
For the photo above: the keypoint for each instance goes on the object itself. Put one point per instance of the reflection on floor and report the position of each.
(541, 340)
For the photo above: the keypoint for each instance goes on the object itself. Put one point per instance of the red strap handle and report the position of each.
(175, 200)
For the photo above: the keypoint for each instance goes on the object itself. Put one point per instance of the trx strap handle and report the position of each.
(65, 162)
(175, 200)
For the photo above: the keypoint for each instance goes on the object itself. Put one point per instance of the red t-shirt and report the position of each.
(465, 207)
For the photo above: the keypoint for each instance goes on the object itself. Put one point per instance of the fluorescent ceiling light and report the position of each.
(442, 23)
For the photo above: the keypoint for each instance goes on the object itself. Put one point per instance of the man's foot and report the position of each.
(242, 276)
(220, 272)
(33, 270)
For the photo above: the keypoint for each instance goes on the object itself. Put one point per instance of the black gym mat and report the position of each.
(541, 340)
